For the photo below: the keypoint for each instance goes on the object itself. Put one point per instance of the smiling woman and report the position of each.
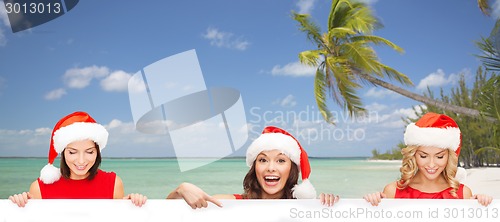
(429, 167)
(79, 139)
(275, 159)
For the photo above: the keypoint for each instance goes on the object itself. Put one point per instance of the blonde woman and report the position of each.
(429, 168)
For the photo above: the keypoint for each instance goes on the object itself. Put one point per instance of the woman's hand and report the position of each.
(374, 198)
(194, 196)
(328, 199)
(20, 199)
(137, 199)
(483, 199)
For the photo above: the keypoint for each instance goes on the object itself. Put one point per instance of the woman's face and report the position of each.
(272, 169)
(431, 161)
(80, 157)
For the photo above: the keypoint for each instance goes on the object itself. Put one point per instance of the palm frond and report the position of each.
(490, 57)
(490, 49)
(377, 40)
(312, 30)
(484, 6)
(338, 13)
(362, 19)
(394, 74)
(346, 85)
(340, 32)
(310, 57)
(320, 96)
(487, 149)
(490, 98)
(362, 56)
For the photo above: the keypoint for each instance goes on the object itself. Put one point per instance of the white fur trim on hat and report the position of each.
(50, 174)
(80, 131)
(446, 138)
(304, 190)
(274, 141)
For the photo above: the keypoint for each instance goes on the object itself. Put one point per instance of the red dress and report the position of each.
(101, 187)
(238, 196)
(412, 193)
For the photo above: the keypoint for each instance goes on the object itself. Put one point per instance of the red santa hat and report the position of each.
(274, 138)
(436, 130)
(73, 127)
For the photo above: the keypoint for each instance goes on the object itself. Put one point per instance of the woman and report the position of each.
(275, 160)
(429, 168)
(79, 139)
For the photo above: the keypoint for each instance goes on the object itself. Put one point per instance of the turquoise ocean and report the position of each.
(155, 178)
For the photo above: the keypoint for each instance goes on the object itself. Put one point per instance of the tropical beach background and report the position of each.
(270, 51)
(346, 177)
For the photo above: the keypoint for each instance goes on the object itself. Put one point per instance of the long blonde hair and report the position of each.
(409, 168)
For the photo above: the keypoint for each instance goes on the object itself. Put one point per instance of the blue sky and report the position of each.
(83, 60)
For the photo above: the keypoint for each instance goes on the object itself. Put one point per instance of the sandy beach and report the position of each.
(484, 181)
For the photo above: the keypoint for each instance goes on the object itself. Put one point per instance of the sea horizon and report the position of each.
(156, 177)
(232, 157)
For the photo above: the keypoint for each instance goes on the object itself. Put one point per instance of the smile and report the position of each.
(80, 167)
(271, 180)
(431, 171)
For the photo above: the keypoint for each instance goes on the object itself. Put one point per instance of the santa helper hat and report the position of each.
(73, 127)
(436, 130)
(274, 138)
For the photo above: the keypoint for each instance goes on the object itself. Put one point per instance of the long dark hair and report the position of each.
(66, 172)
(253, 190)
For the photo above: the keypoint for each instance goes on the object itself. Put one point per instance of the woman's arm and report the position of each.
(376, 198)
(118, 191)
(193, 195)
(22, 199)
(136, 198)
(483, 199)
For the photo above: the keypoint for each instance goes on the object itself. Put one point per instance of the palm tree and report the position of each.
(345, 60)
(490, 48)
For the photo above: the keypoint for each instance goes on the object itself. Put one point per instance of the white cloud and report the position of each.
(3, 40)
(55, 94)
(293, 69)
(43, 131)
(136, 84)
(5, 20)
(27, 142)
(407, 112)
(305, 6)
(495, 9)
(380, 93)
(437, 79)
(368, 2)
(376, 107)
(225, 39)
(394, 119)
(288, 101)
(116, 81)
(114, 124)
(3, 15)
(80, 78)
